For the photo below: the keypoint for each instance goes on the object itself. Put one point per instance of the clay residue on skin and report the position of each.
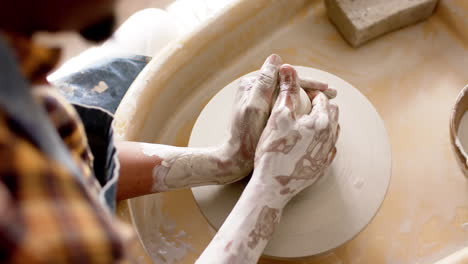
(285, 191)
(149, 150)
(238, 258)
(285, 144)
(228, 246)
(233, 160)
(265, 226)
(312, 161)
(177, 168)
(249, 133)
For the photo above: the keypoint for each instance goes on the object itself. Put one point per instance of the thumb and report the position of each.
(266, 82)
(289, 88)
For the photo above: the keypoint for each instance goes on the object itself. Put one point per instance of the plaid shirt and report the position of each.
(48, 215)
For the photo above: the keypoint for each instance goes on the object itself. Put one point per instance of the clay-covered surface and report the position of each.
(411, 76)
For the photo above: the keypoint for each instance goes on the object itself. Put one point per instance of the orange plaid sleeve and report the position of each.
(47, 215)
(67, 122)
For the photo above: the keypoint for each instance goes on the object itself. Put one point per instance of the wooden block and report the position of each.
(362, 20)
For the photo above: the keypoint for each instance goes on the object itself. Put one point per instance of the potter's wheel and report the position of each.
(339, 205)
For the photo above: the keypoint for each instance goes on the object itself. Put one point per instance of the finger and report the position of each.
(246, 83)
(288, 97)
(330, 93)
(337, 133)
(320, 103)
(331, 155)
(334, 112)
(320, 111)
(334, 116)
(310, 85)
(266, 81)
(289, 88)
(311, 93)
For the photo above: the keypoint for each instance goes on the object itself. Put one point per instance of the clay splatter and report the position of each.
(101, 87)
(164, 241)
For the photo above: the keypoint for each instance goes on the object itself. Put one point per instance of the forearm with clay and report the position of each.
(248, 228)
(149, 168)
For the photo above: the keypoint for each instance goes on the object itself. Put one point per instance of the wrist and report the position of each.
(246, 231)
(231, 151)
(265, 191)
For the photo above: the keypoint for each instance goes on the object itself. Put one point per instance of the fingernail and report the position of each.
(275, 59)
(286, 72)
(319, 99)
(322, 97)
(330, 93)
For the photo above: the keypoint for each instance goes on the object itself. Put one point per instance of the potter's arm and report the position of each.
(293, 152)
(247, 230)
(149, 168)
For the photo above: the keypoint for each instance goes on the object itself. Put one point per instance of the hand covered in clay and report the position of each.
(252, 107)
(295, 149)
(254, 100)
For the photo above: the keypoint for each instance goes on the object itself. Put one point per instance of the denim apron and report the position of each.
(94, 107)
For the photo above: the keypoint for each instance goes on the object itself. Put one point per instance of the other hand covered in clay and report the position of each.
(233, 160)
(254, 99)
(295, 148)
(148, 168)
(293, 152)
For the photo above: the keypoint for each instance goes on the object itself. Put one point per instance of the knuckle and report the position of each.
(265, 78)
(283, 113)
(334, 108)
(290, 87)
(245, 83)
(250, 108)
(308, 122)
(243, 88)
(322, 123)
